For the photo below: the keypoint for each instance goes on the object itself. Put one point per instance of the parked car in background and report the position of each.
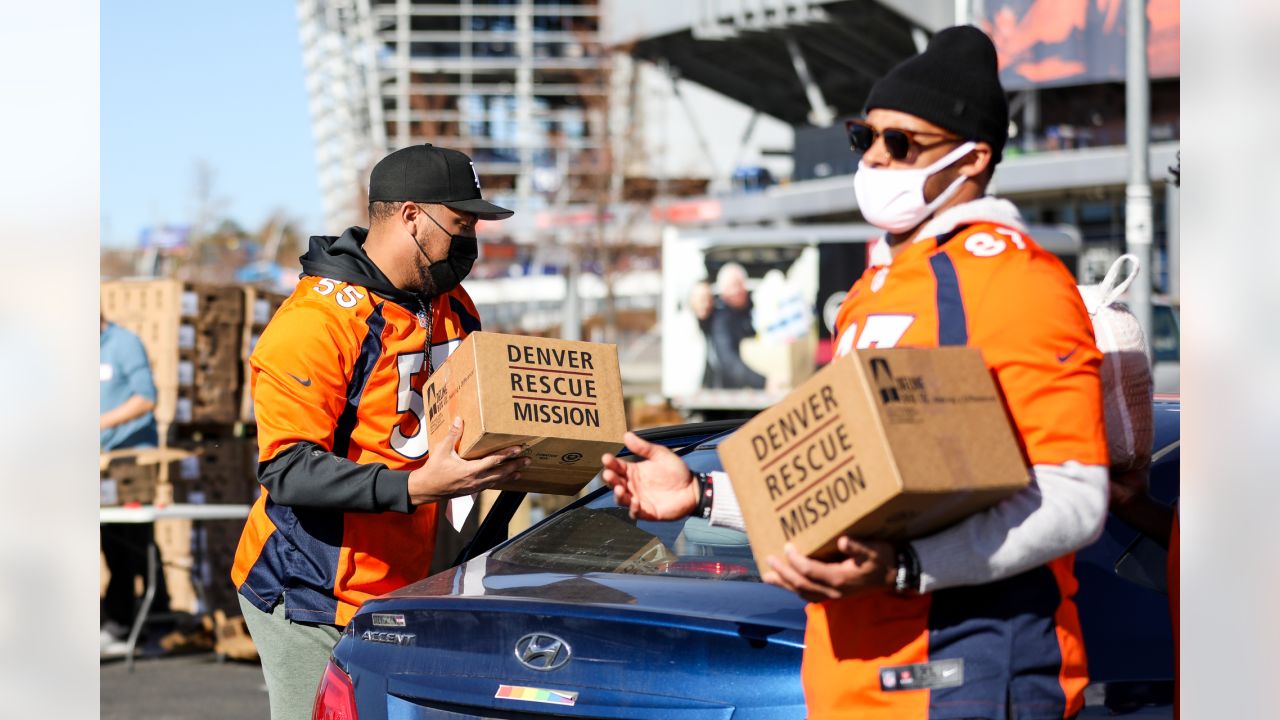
(591, 614)
(1166, 346)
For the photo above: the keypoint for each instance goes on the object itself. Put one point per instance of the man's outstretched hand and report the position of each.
(866, 565)
(660, 489)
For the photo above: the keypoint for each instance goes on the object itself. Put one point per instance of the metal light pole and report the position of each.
(1137, 210)
(524, 106)
(970, 12)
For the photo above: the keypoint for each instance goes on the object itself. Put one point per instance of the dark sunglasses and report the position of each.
(897, 141)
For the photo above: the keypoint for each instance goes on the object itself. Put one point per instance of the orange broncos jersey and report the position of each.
(999, 649)
(340, 370)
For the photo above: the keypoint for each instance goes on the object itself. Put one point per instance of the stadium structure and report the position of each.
(518, 85)
(572, 108)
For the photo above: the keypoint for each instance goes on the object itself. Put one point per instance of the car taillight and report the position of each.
(704, 568)
(336, 697)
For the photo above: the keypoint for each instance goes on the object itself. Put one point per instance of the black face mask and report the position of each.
(448, 273)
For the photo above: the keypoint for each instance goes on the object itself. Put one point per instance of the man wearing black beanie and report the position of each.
(977, 620)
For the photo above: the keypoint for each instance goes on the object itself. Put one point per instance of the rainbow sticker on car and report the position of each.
(538, 695)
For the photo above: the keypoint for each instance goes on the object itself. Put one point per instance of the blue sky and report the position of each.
(213, 82)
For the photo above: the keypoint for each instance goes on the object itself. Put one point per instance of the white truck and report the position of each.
(810, 265)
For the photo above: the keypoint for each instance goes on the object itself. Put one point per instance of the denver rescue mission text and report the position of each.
(555, 386)
(812, 470)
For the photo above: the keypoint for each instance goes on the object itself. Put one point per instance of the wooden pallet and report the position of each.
(231, 638)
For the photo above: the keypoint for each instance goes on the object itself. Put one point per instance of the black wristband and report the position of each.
(907, 579)
(706, 493)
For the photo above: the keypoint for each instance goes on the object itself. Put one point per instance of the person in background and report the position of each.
(126, 401)
(977, 620)
(701, 302)
(350, 493)
(729, 324)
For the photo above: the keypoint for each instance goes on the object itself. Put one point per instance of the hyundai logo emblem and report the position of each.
(540, 651)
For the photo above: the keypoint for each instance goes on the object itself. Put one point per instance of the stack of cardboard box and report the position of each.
(198, 339)
(173, 540)
(219, 471)
(187, 557)
(137, 475)
(560, 401)
(193, 335)
(213, 472)
(259, 307)
(216, 541)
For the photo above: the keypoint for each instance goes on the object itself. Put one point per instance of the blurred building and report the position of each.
(519, 85)
(811, 63)
(611, 124)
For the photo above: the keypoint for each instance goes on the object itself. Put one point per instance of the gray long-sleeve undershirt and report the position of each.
(1062, 510)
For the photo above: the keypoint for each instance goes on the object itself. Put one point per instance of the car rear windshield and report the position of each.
(599, 536)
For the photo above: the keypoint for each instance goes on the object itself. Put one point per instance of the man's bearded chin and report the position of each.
(426, 284)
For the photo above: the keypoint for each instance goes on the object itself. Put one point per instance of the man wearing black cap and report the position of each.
(978, 620)
(350, 493)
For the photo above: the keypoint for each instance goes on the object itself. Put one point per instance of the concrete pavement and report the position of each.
(189, 687)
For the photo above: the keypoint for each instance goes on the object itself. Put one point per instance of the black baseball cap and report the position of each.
(428, 174)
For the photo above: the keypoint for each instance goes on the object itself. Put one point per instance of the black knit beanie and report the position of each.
(954, 84)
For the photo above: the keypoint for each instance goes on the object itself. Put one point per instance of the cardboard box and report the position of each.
(789, 363)
(218, 472)
(561, 400)
(259, 306)
(138, 475)
(192, 333)
(887, 444)
(173, 540)
(154, 456)
(252, 335)
(137, 485)
(214, 543)
(172, 298)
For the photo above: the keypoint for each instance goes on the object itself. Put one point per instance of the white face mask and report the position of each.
(893, 200)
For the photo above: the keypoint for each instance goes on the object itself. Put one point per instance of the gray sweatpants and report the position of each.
(293, 658)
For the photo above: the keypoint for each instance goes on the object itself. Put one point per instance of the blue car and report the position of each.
(590, 614)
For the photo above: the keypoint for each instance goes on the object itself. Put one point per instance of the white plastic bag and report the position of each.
(1126, 367)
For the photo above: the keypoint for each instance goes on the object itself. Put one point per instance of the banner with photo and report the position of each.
(1046, 43)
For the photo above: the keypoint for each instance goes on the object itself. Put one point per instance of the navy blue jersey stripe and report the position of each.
(469, 322)
(308, 605)
(265, 581)
(1007, 638)
(952, 328)
(302, 552)
(302, 555)
(370, 351)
